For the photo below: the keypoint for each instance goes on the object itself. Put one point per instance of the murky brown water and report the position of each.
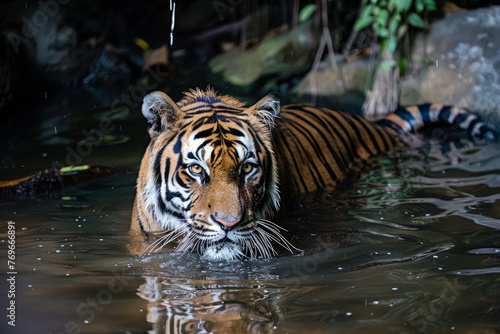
(413, 248)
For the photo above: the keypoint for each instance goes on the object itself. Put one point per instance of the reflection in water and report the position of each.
(200, 308)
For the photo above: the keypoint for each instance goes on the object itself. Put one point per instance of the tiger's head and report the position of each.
(209, 175)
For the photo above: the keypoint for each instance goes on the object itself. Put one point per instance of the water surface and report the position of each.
(412, 247)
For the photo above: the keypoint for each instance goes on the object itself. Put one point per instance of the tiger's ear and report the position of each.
(160, 112)
(267, 109)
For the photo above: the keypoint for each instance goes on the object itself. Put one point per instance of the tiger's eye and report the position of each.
(195, 169)
(247, 168)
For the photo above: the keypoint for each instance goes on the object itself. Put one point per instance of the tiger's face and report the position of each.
(210, 175)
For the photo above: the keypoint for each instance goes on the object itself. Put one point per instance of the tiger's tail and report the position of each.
(406, 119)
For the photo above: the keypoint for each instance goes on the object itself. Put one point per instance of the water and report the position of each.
(412, 247)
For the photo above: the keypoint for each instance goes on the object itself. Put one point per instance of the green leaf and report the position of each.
(387, 65)
(74, 168)
(430, 5)
(306, 12)
(383, 43)
(382, 17)
(383, 32)
(416, 21)
(403, 6)
(419, 6)
(391, 5)
(367, 11)
(394, 23)
(363, 23)
(402, 66)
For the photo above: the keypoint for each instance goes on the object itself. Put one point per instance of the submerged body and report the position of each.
(212, 172)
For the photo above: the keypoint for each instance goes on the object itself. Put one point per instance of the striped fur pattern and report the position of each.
(209, 177)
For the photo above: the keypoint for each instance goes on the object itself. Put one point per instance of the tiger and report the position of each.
(215, 170)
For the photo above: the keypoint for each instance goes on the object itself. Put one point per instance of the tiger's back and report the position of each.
(320, 148)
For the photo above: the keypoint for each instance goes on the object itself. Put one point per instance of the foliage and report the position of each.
(390, 20)
(306, 12)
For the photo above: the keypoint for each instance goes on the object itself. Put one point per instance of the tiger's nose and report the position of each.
(227, 224)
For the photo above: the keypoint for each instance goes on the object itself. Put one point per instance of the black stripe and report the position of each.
(459, 119)
(283, 144)
(157, 165)
(424, 113)
(140, 221)
(313, 143)
(325, 124)
(356, 127)
(472, 124)
(405, 115)
(305, 152)
(168, 194)
(386, 123)
(444, 114)
(203, 134)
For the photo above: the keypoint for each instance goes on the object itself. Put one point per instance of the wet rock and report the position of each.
(340, 84)
(274, 59)
(461, 63)
(108, 67)
(49, 182)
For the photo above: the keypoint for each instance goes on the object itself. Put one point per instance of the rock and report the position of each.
(275, 58)
(462, 63)
(341, 86)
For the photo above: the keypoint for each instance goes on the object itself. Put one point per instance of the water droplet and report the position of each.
(172, 8)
